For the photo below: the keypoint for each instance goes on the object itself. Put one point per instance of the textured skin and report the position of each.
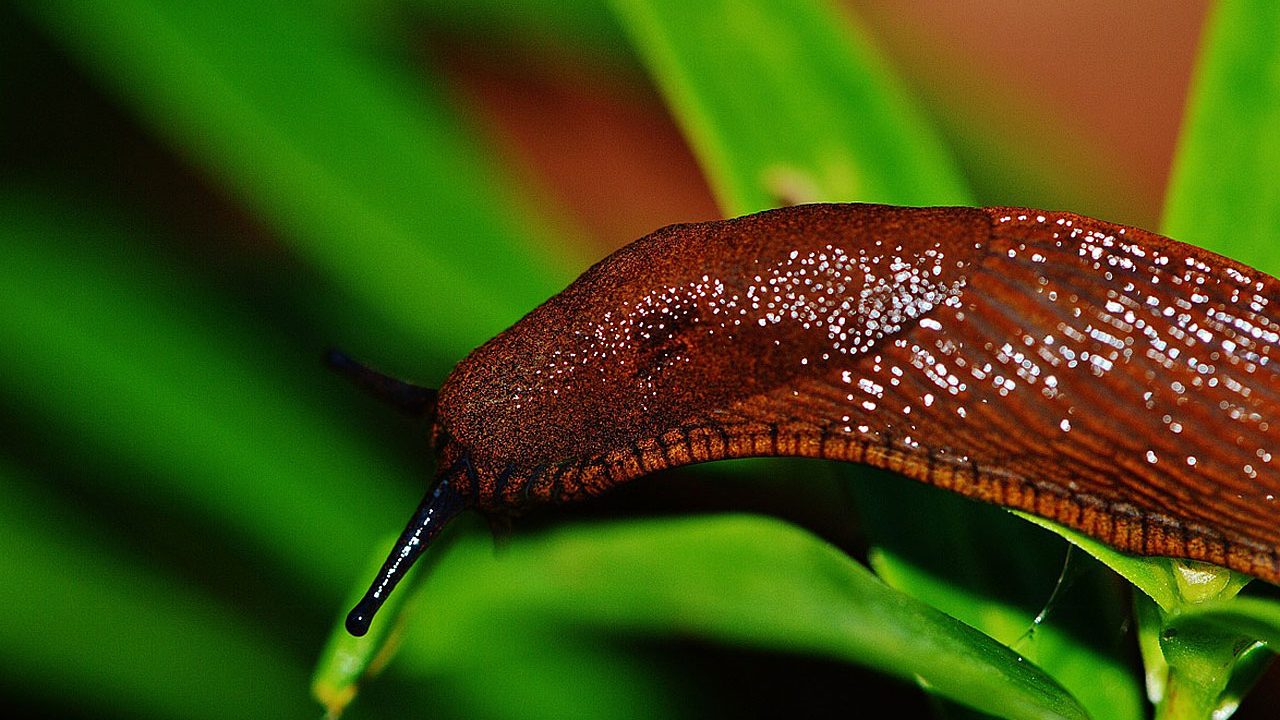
(1104, 377)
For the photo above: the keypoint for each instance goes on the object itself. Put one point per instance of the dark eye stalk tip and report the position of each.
(440, 506)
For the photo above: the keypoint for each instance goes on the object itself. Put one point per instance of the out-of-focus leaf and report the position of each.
(583, 25)
(996, 162)
(1224, 193)
(788, 102)
(106, 631)
(358, 165)
(737, 579)
(546, 671)
(141, 367)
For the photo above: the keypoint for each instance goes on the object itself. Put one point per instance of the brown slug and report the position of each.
(1104, 377)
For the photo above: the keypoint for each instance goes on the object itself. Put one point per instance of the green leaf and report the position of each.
(983, 566)
(1152, 576)
(1224, 193)
(788, 102)
(1198, 660)
(1252, 617)
(1149, 618)
(87, 621)
(1251, 666)
(361, 168)
(347, 661)
(742, 580)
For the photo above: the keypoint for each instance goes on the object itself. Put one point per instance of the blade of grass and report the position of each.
(347, 661)
(85, 620)
(501, 672)
(515, 672)
(1223, 193)
(742, 580)
(787, 101)
(989, 569)
(361, 168)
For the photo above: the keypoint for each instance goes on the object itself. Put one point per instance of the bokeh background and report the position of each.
(196, 202)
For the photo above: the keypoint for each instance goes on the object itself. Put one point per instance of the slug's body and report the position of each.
(1110, 379)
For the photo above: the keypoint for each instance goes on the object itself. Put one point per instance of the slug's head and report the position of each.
(701, 316)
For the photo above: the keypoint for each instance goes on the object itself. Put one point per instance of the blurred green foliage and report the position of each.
(839, 126)
(188, 498)
(1223, 193)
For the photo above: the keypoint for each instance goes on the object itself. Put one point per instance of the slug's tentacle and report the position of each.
(409, 399)
(439, 506)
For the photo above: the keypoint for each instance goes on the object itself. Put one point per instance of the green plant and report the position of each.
(189, 497)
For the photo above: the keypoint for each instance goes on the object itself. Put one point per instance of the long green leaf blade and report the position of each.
(1224, 193)
(1170, 582)
(787, 102)
(743, 580)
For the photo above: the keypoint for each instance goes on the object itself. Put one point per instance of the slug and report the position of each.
(1101, 376)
